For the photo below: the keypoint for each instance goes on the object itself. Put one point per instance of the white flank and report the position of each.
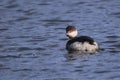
(84, 46)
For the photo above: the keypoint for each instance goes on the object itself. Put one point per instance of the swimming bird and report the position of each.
(81, 43)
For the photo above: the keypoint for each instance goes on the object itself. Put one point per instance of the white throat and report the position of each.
(72, 34)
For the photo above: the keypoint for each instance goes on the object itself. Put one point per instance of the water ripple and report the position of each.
(117, 14)
(18, 70)
(56, 20)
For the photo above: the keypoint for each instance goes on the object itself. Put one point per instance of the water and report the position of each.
(32, 39)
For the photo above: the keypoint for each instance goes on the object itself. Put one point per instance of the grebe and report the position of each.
(82, 43)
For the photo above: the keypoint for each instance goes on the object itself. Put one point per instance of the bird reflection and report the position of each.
(73, 55)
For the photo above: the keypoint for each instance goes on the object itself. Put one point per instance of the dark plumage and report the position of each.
(81, 39)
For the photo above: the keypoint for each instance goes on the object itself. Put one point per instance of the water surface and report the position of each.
(32, 39)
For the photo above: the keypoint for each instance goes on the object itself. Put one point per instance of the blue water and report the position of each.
(32, 39)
